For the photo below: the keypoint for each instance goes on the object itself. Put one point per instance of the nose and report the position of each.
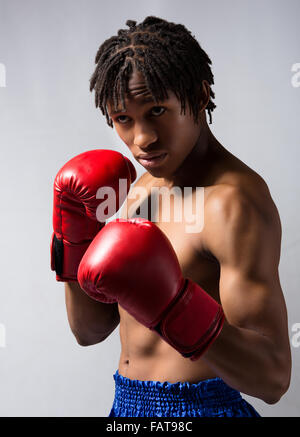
(144, 136)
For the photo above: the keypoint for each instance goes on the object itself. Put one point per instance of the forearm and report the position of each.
(250, 363)
(90, 321)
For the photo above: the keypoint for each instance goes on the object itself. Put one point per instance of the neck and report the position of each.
(197, 166)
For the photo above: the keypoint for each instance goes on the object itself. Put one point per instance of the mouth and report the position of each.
(151, 160)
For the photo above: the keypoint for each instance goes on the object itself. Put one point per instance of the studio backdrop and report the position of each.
(47, 116)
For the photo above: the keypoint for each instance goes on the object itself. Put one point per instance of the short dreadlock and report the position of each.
(167, 55)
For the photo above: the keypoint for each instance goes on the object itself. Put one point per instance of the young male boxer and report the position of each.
(202, 315)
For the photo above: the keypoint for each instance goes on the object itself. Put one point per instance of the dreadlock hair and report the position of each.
(167, 55)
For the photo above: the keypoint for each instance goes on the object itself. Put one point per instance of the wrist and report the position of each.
(66, 257)
(193, 322)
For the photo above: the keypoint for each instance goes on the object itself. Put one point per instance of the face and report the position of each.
(158, 136)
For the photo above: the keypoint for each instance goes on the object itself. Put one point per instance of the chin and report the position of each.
(156, 172)
(159, 172)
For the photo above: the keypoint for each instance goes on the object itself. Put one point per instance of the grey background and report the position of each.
(47, 116)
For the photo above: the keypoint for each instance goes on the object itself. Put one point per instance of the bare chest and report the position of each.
(180, 215)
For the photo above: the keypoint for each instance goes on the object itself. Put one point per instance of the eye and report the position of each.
(120, 119)
(157, 110)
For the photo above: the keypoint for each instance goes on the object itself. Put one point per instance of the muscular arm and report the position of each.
(90, 321)
(252, 353)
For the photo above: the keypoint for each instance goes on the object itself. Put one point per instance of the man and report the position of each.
(153, 83)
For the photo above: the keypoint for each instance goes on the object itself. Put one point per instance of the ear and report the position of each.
(203, 90)
(204, 93)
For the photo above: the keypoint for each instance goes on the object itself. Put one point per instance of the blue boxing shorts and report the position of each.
(208, 398)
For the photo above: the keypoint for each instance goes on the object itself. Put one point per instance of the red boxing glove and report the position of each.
(75, 203)
(133, 262)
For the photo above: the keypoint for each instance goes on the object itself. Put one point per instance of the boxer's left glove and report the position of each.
(133, 262)
(75, 203)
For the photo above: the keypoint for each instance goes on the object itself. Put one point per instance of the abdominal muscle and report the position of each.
(147, 357)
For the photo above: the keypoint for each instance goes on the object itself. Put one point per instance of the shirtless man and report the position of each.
(234, 257)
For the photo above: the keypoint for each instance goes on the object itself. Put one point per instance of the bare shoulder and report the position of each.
(241, 194)
(242, 214)
(143, 180)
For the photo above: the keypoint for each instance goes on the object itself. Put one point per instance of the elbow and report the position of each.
(278, 377)
(91, 335)
(281, 390)
(274, 397)
(277, 388)
(88, 340)
(82, 341)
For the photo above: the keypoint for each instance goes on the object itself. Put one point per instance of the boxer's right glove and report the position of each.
(133, 262)
(75, 222)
